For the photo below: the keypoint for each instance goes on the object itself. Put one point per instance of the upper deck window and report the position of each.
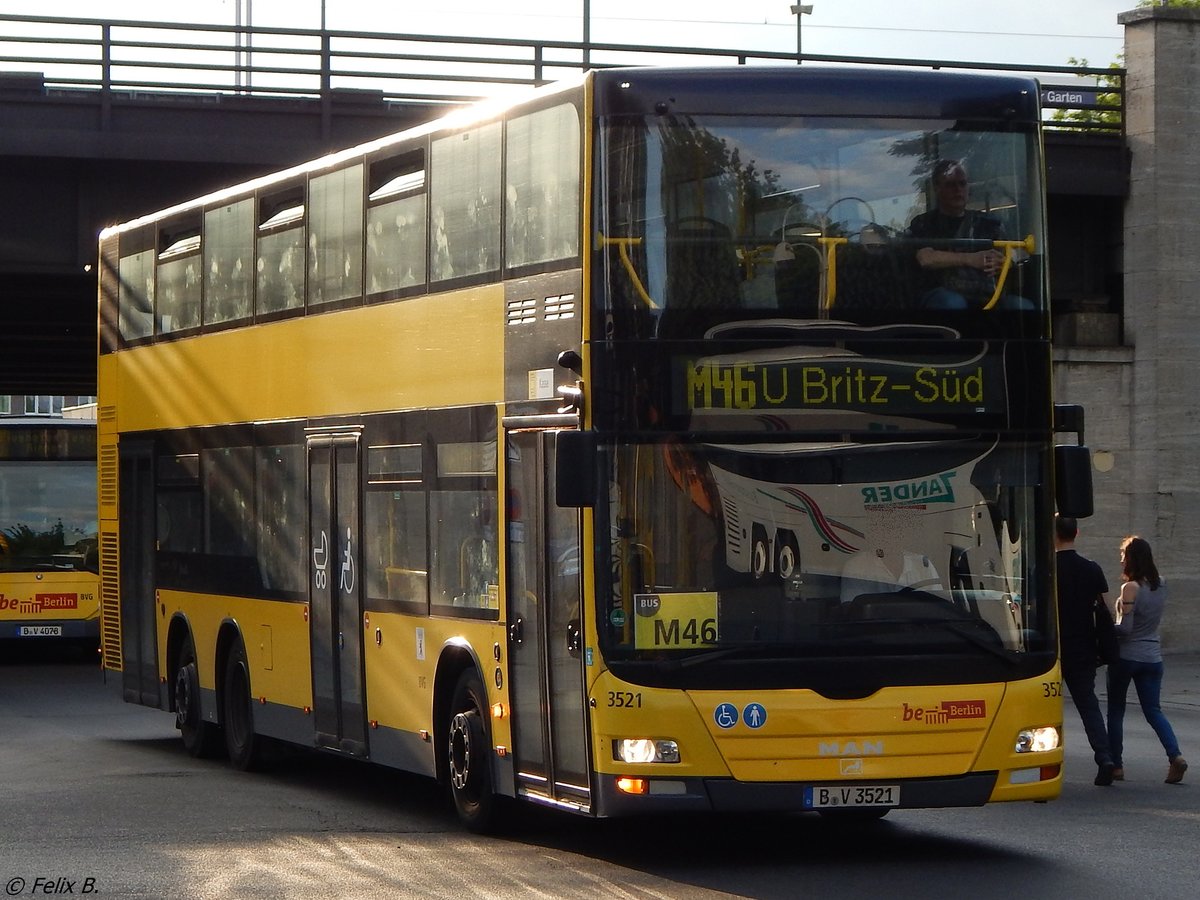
(465, 203)
(335, 236)
(396, 224)
(228, 253)
(542, 187)
(280, 262)
(708, 219)
(136, 295)
(179, 266)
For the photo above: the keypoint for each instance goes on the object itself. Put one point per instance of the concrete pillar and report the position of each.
(1162, 302)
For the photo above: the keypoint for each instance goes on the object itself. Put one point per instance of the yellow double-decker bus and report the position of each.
(49, 582)
(604, 450)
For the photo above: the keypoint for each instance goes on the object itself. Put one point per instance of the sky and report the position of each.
(1015, 32)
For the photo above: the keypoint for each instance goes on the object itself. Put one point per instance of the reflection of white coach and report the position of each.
(846, 538)
(765, 523)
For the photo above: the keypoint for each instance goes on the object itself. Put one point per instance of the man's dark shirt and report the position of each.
(1080, 582)
(937, 226)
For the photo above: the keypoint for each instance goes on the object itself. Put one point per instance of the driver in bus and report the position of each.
(957, 279)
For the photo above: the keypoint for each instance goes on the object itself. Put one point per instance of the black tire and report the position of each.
(760, 555)
(469, 755)
(201, 739)
(242, 744)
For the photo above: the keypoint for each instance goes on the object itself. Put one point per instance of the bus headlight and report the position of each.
(1038, 740)
(645, 750)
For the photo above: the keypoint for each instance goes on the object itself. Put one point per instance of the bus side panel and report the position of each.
(401, 658)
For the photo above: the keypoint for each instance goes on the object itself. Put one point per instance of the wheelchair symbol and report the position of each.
(726, 715)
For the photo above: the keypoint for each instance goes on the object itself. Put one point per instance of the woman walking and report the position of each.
(1139, 610)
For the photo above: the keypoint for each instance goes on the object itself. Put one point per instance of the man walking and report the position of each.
(1081, 586)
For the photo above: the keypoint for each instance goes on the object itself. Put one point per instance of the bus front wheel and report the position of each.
(201, 739)
(469, 754)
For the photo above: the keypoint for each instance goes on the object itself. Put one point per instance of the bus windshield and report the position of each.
(704, 216)
(786, 551)
(47, 515)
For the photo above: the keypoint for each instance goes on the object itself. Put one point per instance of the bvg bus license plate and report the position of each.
(39, 631)
(851, 795)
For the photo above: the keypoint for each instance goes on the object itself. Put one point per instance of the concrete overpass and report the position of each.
(101, 121)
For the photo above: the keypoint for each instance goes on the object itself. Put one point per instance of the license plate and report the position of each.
(39, 631)
(851, 795)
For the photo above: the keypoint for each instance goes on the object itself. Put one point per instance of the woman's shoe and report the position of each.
(1175, 771)
(1118, 774)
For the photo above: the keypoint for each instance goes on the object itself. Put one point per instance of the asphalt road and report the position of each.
(98, 798)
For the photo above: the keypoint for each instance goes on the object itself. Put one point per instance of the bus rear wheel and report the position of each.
(469, 755)
(241, 742)
(201, 739)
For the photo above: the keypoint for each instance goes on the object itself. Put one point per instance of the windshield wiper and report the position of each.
(701, 659)
(972, 637)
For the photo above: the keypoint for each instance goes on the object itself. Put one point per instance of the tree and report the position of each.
(1108, 116)
(1108, 99)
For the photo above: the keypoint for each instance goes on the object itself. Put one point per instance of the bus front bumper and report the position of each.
(33, 629)
(664, 795)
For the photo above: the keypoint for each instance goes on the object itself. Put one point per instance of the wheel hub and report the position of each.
(460, 750)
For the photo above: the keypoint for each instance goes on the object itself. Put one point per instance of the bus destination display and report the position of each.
(840, 383)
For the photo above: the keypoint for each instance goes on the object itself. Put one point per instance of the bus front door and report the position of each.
(545, 635)
(339, 706)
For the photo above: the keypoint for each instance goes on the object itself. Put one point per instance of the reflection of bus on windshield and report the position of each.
(48, 553)
(602, 452)
(915, 529)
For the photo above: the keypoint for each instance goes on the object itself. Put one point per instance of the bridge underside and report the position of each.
(48, 323)
(77, 161)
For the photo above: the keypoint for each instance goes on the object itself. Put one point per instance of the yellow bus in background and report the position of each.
(598, 450)
(49, 564)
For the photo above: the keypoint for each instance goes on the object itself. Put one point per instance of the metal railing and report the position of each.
(47, 55)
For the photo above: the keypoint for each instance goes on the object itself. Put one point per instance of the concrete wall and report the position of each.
(1143, 400)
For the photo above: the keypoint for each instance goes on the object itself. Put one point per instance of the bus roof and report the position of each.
(481, 111)
(817, 91)
(729, 89)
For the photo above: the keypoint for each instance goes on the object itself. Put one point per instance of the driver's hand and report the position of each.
(990, 261)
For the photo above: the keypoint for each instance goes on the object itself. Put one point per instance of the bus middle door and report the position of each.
(545, 639)
(339, 703)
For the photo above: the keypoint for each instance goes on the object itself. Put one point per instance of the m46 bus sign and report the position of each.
(675, 621)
